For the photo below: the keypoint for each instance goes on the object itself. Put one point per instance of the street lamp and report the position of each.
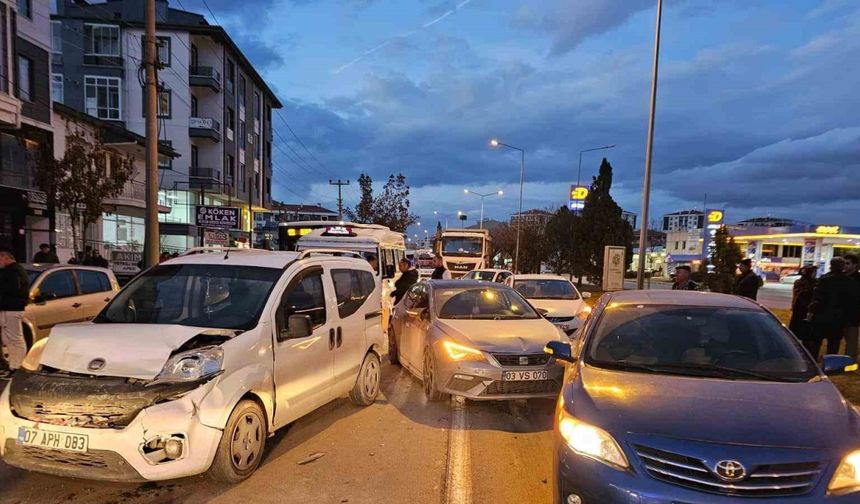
(495, 143)
(446, 215)
(482, 196)
(579, 171)
(646, 182)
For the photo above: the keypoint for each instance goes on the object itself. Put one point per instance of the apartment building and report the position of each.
(214, 109)
(25, 124)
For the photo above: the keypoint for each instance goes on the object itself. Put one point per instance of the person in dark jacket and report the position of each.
(98, 261)
(833, 303)
(439, 271)
(852, 332)
(408, 278)
(801, 296)
(45, 255)
(14, 296)
(682, 279)
(747, 283)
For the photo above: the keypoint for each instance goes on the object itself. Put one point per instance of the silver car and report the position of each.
(474, 339)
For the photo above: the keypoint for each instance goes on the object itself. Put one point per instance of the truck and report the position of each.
(464, 250)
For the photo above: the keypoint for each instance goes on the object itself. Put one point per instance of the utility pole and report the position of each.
(151, 239)
(339, 183)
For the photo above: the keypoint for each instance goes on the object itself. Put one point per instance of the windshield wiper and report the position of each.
(721, 369)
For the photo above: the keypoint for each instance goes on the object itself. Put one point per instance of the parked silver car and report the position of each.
(475, 339)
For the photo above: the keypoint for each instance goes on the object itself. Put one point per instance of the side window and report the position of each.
(306, 297)
(57, 285)
(389, 266)
(92, 281)
(352, 288)
(421, 298)
(502, 277)
(416, 297)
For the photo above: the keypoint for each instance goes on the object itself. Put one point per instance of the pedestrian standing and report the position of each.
(852, 332)
(801, 296)
(98, 261)
(682, 279)
(831, 309)
(14, 296)
(408, 278)
(45, 255)
(439, 271)
(747, 283)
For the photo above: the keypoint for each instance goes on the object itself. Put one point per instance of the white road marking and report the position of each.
(458, 476)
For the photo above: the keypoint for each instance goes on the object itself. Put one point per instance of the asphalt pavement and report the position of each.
(400, 449)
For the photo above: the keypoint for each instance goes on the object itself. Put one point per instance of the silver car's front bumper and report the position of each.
(484, 380)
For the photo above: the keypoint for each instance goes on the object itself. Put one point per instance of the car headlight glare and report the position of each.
(584, 313)
(32, 361)
(847, 476)
(591, 441)
(459, 352)
(192, 365)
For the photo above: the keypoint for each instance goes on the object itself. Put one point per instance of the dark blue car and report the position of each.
(678, 397)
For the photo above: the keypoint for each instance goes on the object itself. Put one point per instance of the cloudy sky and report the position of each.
(758, 106)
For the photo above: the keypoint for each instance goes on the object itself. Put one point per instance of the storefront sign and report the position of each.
(338, 231)
(715, 221)
(217, 217)
(578, 193)
(216, 237)
(37, 199)
(613, 268)
(123, 261)
(830, 230)
(809, 251)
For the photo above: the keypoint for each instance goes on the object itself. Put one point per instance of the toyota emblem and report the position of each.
(730, 470)
(96, 364)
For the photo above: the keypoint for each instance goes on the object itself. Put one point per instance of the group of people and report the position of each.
(828, 308)
(747, 283)
(409, 276)
(47, 254)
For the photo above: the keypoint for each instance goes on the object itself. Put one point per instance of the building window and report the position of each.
(231, 119)
(242, 135)
(243, 177)
(258, 111)
(56, 37)
(231, 76)
(268, 188)
(257, 148)
(163, 102)
(101, 40)
(25, 78)
(163, 46)
(793, 251)
(769, 250)
(57, 87)
(103, 97)
(242, 91)
(165, 162)
(231, 171)
(54, 9)
(4, 63)
(25, 8)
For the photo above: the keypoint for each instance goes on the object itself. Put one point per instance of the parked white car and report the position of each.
(193, 364)
(488, 275)
(556, 298)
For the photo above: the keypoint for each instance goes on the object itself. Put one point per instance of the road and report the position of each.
(772, 295)
(401, 449)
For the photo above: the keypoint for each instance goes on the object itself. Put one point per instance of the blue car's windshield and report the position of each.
(697, 341)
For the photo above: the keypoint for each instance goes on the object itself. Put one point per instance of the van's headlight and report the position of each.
(591, 441)
(192, 365)
(847, 476)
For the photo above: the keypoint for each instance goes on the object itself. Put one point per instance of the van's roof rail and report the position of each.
(329, 251)
(219, 248)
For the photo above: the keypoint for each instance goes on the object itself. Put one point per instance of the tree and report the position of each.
(391, 208)
(560, 233)
(599, 225)
(88, 173)
(724, 259)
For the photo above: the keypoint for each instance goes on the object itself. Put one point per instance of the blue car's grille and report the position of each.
(774, 480)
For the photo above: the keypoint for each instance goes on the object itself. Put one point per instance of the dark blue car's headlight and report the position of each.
(847, 476)
(591, 441)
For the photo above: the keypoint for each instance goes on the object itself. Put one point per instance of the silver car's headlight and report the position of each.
(192, 365)
(847, 476)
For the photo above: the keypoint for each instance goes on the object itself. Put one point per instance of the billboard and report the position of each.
(577, 196)
(217, 217)
(714, 219)
(123, 261)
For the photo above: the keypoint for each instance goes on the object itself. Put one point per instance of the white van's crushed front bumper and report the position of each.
(116, 454)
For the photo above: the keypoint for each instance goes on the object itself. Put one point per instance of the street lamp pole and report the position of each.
(482, 196)
(646, 183)
(579, 171)
(496, 143)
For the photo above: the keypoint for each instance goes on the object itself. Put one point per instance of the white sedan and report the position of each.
(488, 275)
(556, 298)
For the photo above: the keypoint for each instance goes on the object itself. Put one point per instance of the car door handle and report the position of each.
(77, 305)
(107, 300)
(331, 339)
(339, 337)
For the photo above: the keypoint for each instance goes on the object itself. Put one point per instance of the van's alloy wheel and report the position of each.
(367, 385)
(430, 385)
(242, 443)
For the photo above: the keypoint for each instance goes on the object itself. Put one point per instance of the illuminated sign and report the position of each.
(827, 230)
(298, 231)
(715, 216)
(338, 231)
(575, 206)
(578, 193)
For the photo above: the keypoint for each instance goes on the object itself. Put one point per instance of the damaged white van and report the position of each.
(194, 364)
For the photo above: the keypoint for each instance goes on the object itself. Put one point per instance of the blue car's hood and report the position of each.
(811, 415)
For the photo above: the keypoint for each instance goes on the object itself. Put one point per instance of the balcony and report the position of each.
(207, 179)
(204, 127)
(204, 76)
(10, 111)
(134, 195)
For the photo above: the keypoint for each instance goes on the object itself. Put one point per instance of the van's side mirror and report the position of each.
(838, 364)
(298, 326)
(586, 295)
(542, 311)
(560, 350)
